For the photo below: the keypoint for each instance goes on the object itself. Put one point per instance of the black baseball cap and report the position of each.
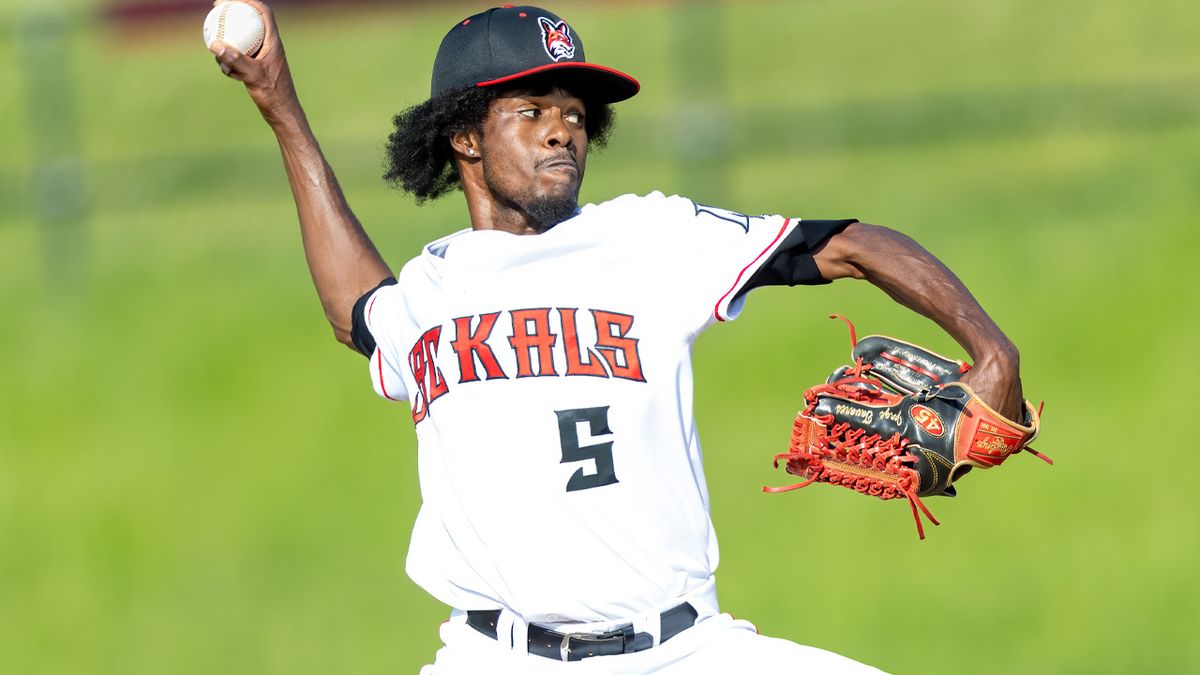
(529, 44)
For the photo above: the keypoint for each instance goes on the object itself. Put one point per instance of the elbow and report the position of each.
(856, 250)
(875, 240)
(878, 252)
(347, 311)
(343, 336)
(341, 325)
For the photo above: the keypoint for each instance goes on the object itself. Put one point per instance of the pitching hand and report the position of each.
(266, 75)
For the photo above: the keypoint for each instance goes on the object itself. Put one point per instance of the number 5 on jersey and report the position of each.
(601, 453)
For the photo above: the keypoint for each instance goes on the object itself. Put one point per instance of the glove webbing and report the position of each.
(824, 450)
(849, 457)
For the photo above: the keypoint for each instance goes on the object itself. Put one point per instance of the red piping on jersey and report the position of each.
(381, 385)
(736, 282)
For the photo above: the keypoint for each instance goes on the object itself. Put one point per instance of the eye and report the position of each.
(574, 117)
(531, 113)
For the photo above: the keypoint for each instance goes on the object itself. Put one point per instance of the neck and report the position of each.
(489, 214)
(489, 211)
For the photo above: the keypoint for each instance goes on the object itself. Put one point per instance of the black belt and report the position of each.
(575, 646)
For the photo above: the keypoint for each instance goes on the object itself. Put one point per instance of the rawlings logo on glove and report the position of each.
(899, 424)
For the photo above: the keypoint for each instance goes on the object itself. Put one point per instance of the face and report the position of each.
(533, 152)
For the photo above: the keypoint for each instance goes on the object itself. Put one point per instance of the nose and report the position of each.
(558, 134)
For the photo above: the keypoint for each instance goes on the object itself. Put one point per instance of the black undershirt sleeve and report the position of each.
(792, 264)
(360, 335)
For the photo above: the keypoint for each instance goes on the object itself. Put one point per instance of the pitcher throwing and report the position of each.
(545, 352)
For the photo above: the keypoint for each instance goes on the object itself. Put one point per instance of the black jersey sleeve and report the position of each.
(360, 335)
(791, 263)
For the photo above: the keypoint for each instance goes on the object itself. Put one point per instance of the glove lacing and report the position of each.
(850, 457)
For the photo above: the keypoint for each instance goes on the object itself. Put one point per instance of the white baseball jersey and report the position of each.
(550, 383)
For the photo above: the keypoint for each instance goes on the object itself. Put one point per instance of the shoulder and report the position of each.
(429, 262)
(422, 271)
(653, 204)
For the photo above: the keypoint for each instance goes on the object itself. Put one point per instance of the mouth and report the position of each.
(560, 163)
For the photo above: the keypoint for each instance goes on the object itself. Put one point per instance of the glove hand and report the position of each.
(905, 422)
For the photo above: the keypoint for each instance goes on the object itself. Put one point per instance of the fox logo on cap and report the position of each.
(556, 38)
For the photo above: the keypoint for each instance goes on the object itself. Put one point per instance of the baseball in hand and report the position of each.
(236, 24)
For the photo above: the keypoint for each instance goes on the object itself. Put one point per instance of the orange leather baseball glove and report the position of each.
(899, 424)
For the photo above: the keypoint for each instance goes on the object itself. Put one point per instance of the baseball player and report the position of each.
(545, 353)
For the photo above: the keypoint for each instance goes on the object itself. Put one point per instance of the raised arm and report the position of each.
(343, 261)
(914, 278)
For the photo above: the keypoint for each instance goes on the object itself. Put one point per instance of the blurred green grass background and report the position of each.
(195, 478)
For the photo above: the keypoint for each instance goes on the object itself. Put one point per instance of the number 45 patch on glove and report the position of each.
(899, 424)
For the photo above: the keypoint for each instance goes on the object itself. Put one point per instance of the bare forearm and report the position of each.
(908, 273)
(343, 261)
(341, 258)
(913, 277)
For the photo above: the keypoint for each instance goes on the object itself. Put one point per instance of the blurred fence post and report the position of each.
(43, 38)
(700, 120)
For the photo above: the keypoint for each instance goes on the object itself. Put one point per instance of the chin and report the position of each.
(552, 208)
(552, 184)
(558, 193)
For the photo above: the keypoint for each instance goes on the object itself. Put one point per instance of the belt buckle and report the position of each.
(564, 649)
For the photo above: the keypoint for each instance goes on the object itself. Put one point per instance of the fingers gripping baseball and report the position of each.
(234, 63)
(266, 75)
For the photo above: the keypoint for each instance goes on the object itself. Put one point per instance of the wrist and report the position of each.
(996, 378)
(1001, 357)
(287, 119)
(277, 101)
(993, 349)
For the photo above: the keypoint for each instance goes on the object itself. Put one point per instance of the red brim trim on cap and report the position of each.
(623, 86)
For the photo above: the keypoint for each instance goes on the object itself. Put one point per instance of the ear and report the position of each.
(465, 144)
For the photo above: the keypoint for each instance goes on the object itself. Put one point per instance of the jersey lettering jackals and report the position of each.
(534, 343)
